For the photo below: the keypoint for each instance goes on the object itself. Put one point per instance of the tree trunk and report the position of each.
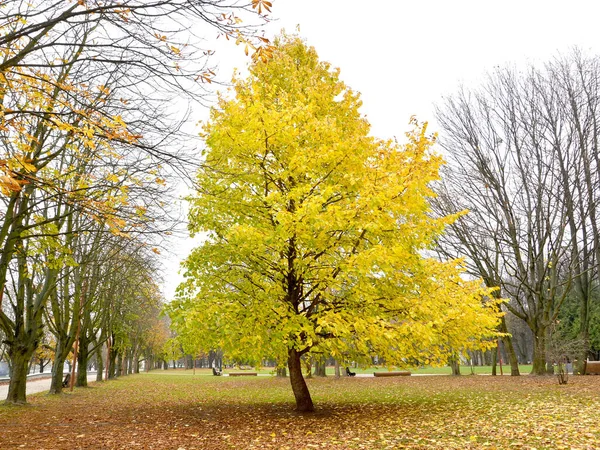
(320, 366)
(494, 362)
(455, 365)
(83, 357)
(123, 364)
(512, 356)
(337, 368)
(301, 394)
(19, 363)
(539, 352)
(99, 363)
(58, 367)
(282, 372)
(112, 369)
(129, 363)
(510, 350)
(119, 365)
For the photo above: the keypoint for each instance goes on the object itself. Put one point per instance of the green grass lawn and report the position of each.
(176, 410)
(464, 370)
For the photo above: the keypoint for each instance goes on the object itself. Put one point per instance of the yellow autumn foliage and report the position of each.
(317, 232)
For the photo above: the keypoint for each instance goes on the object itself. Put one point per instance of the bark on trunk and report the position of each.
(455, 365)
(510, 350)
(539, 352)
(320, 367)
(301, 394)
(58, 368)
(99, 363)
(112, 364)
(19, 360)
(82, 362)
(119, 365)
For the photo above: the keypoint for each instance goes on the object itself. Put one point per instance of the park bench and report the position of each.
(349, 373)
(403, 373)
(592, 368)
(243, 374)
(216, 372)
(67, 380)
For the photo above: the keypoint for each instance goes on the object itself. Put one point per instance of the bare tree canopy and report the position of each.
(523, 160)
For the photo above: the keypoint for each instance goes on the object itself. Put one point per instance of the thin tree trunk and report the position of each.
(99, 363)
(510, 349)
(320, 366)
(302, 395)
(82, 361)
(74, 359)
(455, 365)
(539, 352)
(112, 366)
(512, 356)
(58, 367)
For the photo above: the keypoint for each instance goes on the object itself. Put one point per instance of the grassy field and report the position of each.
(176, 410)
(464, 370)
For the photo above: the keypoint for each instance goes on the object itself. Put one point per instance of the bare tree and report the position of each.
(502, 169)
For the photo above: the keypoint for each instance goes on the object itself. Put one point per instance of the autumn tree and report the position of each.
(82, 83)
(316, 231)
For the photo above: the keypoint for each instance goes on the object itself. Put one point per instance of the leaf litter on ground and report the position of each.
(160, 410)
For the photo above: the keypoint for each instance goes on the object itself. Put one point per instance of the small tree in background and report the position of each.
(562, 353)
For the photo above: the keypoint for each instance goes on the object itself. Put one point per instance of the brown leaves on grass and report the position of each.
(201, 412)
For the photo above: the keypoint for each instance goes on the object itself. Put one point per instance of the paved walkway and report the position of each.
(34, 386)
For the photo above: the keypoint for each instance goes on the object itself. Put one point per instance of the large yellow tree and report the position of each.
(317, 231)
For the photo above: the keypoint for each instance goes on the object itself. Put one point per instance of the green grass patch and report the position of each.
(464, 370)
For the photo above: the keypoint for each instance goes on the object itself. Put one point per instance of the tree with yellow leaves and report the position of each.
(317, 231)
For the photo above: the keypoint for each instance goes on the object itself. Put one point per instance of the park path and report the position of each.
(35, 386)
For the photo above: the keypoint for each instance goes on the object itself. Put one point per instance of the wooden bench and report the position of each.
(243, 374)
(592, 368)
(403, 373)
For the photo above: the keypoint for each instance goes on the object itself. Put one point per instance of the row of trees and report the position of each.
(523, 159)
(91, 94)
(108, 305)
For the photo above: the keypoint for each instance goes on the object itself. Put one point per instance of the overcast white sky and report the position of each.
(403, 56)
